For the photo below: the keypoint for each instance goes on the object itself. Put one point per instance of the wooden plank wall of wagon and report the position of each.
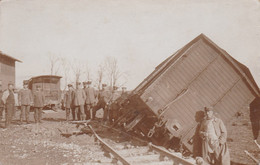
(234, 101)
(208, 89)
(172, 81)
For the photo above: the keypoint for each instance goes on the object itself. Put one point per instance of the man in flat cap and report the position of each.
(69, 104)
(9, 101)
(214, 135)
(1, 102)
(91, 96)
(25, 101)
(79, 98)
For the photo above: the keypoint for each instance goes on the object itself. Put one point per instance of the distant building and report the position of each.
(7, 69)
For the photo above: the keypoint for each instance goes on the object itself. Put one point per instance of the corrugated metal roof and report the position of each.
(12, 58)
(240, 68)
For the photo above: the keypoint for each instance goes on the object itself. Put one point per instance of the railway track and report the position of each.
(123, 148)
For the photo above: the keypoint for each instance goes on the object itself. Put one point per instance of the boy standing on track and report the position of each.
(39, 102)
(25, 101)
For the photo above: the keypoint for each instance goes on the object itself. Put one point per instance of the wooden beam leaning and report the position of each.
(110, 149)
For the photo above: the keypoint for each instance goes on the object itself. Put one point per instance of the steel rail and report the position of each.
(154, 147)
(169, 154)
(110, 149)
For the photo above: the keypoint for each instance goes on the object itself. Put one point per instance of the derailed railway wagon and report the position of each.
(168, 105)
(50, 85)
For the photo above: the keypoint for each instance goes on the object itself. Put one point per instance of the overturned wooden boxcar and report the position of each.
(168, 104)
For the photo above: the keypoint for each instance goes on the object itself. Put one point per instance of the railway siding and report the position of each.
(131, 150)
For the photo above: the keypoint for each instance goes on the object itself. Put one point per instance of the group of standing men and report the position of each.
(10, 99)
(83, 102)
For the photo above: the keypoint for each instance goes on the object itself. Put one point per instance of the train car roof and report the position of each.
(242, 69)
(46, 76)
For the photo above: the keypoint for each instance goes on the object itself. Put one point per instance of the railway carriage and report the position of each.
(50, 85)
(169, 103)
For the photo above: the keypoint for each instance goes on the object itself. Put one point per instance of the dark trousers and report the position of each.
(79, 111)
(38, 114)
(25, 111)
(9, 111)
(73, 114)
(1, 112)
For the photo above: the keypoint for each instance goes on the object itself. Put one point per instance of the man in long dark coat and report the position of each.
(9, 101)
(69, 103)
(214, 135)
(25, 101)
(38, 103)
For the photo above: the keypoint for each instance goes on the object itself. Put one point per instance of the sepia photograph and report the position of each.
(129, 82)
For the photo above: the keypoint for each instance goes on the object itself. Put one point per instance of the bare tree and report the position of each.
(54, 64)
(87, 72)
(66, 71)
(112, 69)
(101, 70)
(78, 69)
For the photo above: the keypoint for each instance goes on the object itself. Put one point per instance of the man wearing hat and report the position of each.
(214, 135)
(91, 97)
(79, 98)
(68, 100)
(9, 101)
(39, 103)
(1, 102)
(25, 101)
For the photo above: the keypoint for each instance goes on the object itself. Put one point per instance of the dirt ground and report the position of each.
(43, 144)
(240, 138)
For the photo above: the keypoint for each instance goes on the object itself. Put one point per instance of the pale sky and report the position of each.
(139, 33)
